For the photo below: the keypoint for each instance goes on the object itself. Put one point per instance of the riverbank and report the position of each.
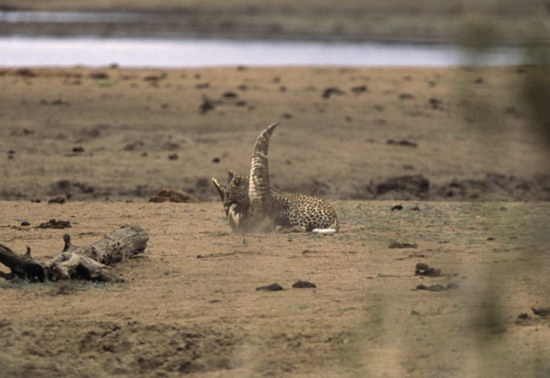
(397, 21)
(345, 133)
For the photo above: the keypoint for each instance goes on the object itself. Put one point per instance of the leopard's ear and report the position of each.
(259, 190)
(230, 176)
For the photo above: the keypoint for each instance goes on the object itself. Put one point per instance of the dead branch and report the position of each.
(87, 262)
(21, 266)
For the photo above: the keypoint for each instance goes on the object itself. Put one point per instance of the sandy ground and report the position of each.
(345, 133)
(189, 305)
(107, 139)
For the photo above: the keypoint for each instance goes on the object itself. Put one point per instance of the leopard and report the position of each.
(252, 205)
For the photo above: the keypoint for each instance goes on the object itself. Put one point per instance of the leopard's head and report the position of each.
(235, 193)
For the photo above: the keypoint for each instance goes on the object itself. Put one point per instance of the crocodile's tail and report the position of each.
(259, 189)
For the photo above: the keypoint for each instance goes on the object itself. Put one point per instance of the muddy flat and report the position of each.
(379, 143)
(345, 133)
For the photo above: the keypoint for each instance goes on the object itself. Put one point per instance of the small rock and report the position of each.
(25, 72)
(403, 142)
(25, 223)
(435, 103)
(406, 96)
(434, 287)
(272, 287)
(422, 266)
(216, 160)
(57, 224)
(78, 149)
(303, 284)
(206, 105)
(230, 94)
(330, 91)
(59, 200)
(541, 311)
(99, 75)
(425, 270)
(416, 208)
(402, 245)
(359, 89)
(173, 156)
(397, 207)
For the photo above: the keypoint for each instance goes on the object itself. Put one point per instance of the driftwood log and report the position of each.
(88, 262)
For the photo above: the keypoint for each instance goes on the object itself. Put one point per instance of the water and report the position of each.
(195, 52)
(143, 52)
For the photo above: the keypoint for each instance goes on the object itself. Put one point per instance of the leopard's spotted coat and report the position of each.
(251, 205)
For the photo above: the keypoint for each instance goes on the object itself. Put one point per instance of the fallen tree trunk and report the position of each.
(21, 266)
(88, 263)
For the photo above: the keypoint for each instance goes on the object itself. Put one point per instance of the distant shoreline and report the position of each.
(257, 26)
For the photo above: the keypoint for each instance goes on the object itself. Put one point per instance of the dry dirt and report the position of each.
(345, 133)
(189, 305)
(107, 139)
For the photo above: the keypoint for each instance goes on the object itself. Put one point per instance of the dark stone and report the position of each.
(435, 103)
(397, 207)
(78, 149)
(541, 311)
(330, 91)
(406, 96)
(403, 142)
(206, 105)
(434, 287)
(272, 287)
(59, 200)
(57, 224)
(423, 269)
(422, 266)
(99, 75)
(303, 284)
(402, 245)
(359, 89)
(230, 94)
